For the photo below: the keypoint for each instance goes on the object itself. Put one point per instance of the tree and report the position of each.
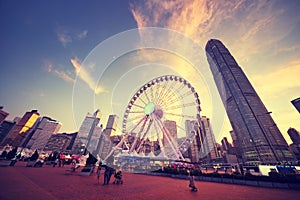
(12, 153)
(34, 156)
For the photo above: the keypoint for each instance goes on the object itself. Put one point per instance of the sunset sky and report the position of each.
(44, 45)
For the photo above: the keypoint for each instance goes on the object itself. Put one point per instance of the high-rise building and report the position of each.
(105, 144)
(208, 149)
(60, 142)
(19, 132)
(296, 103)
(44, 131)
(294, 135)
(86, 131)
(225, 144)
(258, 136)
(193, 128)
(94, 140)
(5, 127)
(3, 115)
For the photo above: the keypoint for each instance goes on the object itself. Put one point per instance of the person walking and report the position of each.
(106, 175)
(192, 182)
(99, 172)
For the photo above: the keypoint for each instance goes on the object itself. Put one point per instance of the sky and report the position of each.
(48, 52)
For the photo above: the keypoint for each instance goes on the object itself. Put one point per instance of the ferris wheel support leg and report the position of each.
(170, 141)
(145, 119)
(115, 147)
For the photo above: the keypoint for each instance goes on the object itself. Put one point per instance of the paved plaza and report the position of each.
(22, 182)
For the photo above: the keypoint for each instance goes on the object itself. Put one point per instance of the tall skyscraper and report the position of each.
(5, 127)
(3, 115)
(294, 135)
(296, 103)
(44, 131)
(192, 127)
(208, 149)
(86, 131)
(257, 134)
(19, 132)
(105, 144)
(225, 144)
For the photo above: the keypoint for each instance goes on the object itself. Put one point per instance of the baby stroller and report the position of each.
(118, 177)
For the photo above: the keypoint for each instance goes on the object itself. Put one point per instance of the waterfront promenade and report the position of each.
(22, 182)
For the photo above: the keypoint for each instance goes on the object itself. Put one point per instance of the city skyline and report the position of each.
(44, 44)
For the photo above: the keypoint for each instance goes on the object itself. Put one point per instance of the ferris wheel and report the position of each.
(158, 111)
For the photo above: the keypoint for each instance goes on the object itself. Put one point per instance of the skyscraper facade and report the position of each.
(257, 134)
(19, 132)
(208, 148)
(3, 115)
(105, 144)
(5, 127)
(192, 127)
(294, 135)
(46, 128)
(86, 131)
(296, 103)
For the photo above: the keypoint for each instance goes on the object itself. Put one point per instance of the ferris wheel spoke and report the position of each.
(180, 106)
(162, 91)
(138, 106)
(142, 100)
(145, 92)
(179, 115)
(152, 95)
(176, 92)
(135, 112)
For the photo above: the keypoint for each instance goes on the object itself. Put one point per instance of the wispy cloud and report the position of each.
(82, 34)
(61, 74)
(277, 82)
(66, 37)
(85, 75)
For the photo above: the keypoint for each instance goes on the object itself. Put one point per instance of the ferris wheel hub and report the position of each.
(149, 108)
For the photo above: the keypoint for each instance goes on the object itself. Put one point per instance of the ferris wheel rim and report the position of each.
(143, 88)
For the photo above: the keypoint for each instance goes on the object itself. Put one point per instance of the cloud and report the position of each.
(84, 75)
(276, 83)
(61, 74)
(66, 37)
(82, 34)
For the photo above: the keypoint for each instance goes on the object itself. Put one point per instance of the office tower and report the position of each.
(86, 131)
(234, 139)
(169, 139)
(61, 142)
(193, 128)
(225, 144)
(105, 144)
(5, 127)
(43, 132)
(95, 139)
(208, 149)
(296, 103)
(30, 133)
(294, 135)
(258, 136)
(19, 132)
(3, 115)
